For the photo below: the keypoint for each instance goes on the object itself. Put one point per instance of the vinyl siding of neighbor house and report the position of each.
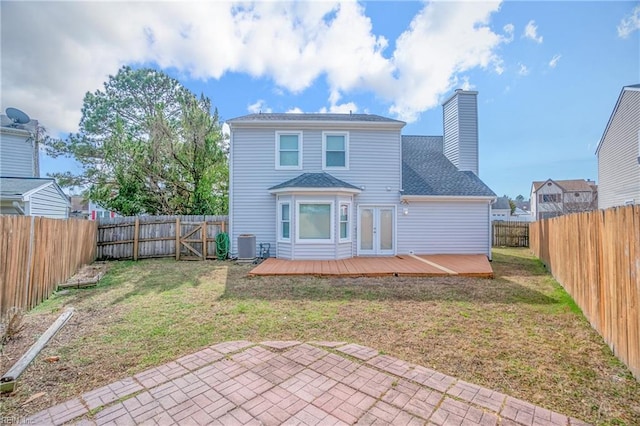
(16, 153)
(460, 140)
(442, 227)
(48, 202)
(618, 168)
(538, 208)
(374, 163)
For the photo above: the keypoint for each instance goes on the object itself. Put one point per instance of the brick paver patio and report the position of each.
(294, 383)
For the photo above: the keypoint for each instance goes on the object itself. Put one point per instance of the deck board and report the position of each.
(471, 265)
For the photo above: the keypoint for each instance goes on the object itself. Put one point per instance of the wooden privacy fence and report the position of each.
(596, 258)
(182, 237)
(37, 254)
(510, 234)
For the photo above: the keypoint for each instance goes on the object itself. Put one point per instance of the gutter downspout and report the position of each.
(18, 207)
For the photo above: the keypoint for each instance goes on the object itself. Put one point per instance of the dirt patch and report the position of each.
(87, 275)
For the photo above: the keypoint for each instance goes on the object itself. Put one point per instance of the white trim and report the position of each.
(277, 156)
(346, 150)
(332, 231)
(302, 190)
(437, 198)
(231, 178)
(349, 205)
(395, 230)
(280, 238)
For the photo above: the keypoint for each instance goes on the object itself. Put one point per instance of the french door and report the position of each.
(376, 229)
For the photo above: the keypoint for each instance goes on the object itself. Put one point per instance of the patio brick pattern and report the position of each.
(293, 383)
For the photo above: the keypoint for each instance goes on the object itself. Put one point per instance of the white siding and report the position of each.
(461, 130)
(444, 228)
(374, 163)
(618, 168)
(16, 153)
(48, 202)
(539, 208)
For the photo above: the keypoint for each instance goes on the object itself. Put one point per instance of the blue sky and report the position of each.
(548, 73)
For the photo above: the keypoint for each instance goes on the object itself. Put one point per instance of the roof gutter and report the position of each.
(315, 190)
(459, 198)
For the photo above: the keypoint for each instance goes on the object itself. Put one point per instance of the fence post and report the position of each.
(136, 230)
(28, 280)
(204, 240)
(177, 238)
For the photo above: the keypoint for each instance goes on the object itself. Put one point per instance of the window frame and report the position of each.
(280, 133)
(324, 150)
(331, 239)
(281, 238)
(348, 221)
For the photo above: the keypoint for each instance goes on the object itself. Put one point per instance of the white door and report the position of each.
(376, 231)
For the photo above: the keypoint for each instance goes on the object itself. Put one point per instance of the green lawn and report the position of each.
(520, 333)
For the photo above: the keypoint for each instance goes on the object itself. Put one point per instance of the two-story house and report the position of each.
(22, 191)
(619, 152)
(551, 198)
(334, 186)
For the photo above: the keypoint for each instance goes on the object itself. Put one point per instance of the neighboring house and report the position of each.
(33, 197)
(18, 149)
(553, 198)
(97, 212)
(520, 215)
(334, 186)
(79, 207)
(619, 152)
(22, 191)
(501, 209)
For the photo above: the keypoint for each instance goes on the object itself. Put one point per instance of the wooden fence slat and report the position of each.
(38, 254)
(596, 258)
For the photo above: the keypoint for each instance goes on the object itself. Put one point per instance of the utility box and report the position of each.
(246, 247)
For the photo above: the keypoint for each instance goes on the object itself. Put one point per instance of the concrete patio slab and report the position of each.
(294, 383)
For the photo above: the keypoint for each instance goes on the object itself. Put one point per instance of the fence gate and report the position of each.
(194, 240)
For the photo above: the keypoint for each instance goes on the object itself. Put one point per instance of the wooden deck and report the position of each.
(469, 265)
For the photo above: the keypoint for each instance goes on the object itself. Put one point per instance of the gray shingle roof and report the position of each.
(502, 203)
(13, 186)
(314, 117)
(426, 171)
(314, 180)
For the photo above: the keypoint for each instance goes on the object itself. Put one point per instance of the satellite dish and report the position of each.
(17, 116)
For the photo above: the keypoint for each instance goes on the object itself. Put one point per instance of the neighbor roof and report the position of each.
(569, 185)
(629, 88)
(426, 171)
(314, 180)
(502, 203)
(14, 186)
(19, 187)
(262, 117)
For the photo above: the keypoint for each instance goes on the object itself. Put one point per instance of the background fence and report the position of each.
(37, 254)
(510, 234)
(182, 237)
(596, 257)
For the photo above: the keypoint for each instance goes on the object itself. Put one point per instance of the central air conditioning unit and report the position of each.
(246, 247)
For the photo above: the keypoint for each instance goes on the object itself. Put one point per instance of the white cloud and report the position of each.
(523, 70)
(341, 108)
(55, 52)
(554, 61)
(443, 40)
(531, 32)
(259, 106)
(629, 23)
(509, 29)
(294, 110)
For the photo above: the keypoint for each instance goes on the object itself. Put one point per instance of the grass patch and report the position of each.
(520, 333)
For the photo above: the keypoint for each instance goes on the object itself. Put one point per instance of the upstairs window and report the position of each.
(289, 150)
(335, 150)
(549, 198)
